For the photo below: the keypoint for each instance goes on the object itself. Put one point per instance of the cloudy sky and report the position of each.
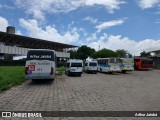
(133, 25)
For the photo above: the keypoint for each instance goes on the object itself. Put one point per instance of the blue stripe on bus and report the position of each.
(103, 65)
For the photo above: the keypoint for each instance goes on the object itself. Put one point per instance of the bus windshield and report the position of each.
(118, 61)
(76, 64)
(112, 60)
(92, 64)
(40, 55)
(131, 60)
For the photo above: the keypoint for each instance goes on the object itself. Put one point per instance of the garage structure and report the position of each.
(12, 44)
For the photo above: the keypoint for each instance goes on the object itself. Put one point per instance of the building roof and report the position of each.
(154, 51)
(34, 43)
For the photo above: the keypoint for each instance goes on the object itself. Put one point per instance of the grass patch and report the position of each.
(60, 70)
(11, 76)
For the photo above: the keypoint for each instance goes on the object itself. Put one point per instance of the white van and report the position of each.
(91, 66)
(74, 66)
(40, 64)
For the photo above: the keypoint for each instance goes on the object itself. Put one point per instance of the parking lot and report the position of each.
(134, 91)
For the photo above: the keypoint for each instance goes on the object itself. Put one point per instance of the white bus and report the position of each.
(127, 64)
(91, 66)
(109, 65)
(74, 66)
(40, 64)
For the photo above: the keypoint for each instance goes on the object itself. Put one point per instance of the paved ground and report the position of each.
(135, 91)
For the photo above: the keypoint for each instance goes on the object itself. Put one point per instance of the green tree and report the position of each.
(83, 52)
(73, 54)
(104, 53)
(121, 53)
(129, 55)
(145, 54)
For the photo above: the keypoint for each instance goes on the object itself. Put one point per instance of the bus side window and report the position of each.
(112, 60)
(102, 61)
(85, 64)
(107, 62)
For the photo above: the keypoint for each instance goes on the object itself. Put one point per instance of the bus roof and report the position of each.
(102, 58)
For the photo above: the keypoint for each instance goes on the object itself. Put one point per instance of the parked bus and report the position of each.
(127, 64)
(74, 67)
(91, 66)
(40, 64)
(143, 63)
(109, 65)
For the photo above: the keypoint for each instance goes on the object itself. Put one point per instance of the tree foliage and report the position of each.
(121, 53)
(84, 52)
(104, 53)
(145, 54)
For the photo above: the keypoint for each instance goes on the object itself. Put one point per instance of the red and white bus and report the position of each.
(143, 63)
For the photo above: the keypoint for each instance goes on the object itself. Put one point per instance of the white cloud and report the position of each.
(144, 4)
(38, 8)
(108, 24)
(3, 24)
(118, 42)
(110, 5)
(93, 37)
(49, 33)
(18, 32)
(91, 19)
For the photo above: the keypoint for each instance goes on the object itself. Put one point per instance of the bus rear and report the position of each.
(114, 65)
(127, 64)
(40, 64)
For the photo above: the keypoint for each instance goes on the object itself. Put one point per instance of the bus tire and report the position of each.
(123, 71)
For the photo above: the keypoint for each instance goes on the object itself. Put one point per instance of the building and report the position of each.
(12, 44)
(156, 58)
(156, 53)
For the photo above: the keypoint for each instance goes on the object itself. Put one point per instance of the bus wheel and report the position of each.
(123, 71)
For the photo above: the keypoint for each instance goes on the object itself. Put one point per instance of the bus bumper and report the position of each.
(114, 70)
(127, 69)
(27, 77)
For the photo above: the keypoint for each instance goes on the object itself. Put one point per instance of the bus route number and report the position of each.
(39, 69)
